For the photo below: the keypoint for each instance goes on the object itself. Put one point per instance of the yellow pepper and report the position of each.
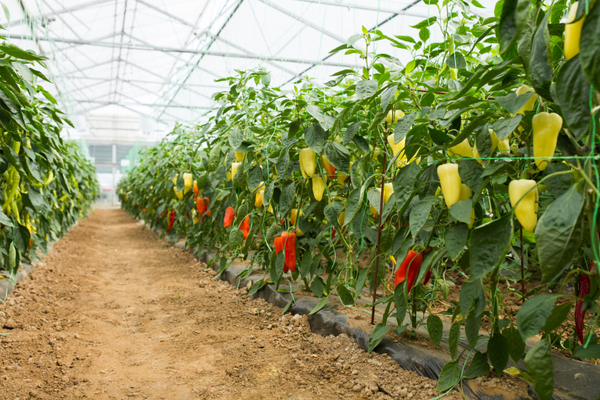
(396, 116)
(401, 161)
(328, 167)
(318, 187)
(450, 182)
(234, 168)
(530, 103)
(260, 198)
(388, 190)
(573, 32)
(466, 193)
(462, 149)
(341, 218)
(308, 162)
(342, 176)
(526, 209)
(504, 146)
(239, 156)
(294, 214)
(546, 127)
(187, 182)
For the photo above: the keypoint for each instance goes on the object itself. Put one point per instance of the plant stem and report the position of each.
(379, 226)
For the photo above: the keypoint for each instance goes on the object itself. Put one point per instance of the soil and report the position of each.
(114, 312)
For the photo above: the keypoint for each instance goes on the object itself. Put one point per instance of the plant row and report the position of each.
(46, 185)
(475, 162)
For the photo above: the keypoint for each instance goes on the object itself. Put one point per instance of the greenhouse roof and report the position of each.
(159, 60)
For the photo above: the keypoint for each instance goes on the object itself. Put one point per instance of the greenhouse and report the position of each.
(300, 199)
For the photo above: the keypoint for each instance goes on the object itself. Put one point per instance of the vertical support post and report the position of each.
(114, 174)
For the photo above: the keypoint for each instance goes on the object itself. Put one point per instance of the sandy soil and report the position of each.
(116, 313)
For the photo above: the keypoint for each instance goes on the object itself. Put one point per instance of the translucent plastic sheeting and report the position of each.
(158, 60)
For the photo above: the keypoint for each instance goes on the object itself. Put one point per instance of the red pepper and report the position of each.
(411, 265)
(196, 191)
(202, 205)
(290, 251)
(584, 289)
(245, 226)
(427, 277)
(280, 245)
(229, 215)
(333, 234)
(171, 220)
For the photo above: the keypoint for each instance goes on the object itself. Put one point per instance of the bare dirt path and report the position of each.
(116, 313)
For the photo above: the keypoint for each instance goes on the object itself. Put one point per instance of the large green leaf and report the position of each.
(455, 238)
(479, 366)
(462, 210)
(540, 367)
(470, 291)
(366, 89)
(435, 328)
(489, 244)
(589, 55)
(533, 314)
(418, 216)
(315, 137)
(377, 336)
(498, 352)
(516, 345)
(338, 155)
(17, 52)
(573, 95)
(512, 21)
(449, 376)
(540, 69)
(559, 233)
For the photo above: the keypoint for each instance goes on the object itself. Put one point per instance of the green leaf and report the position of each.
(470, 174)
(236, 137)
(236, 237)
(305, 264)
(377, 336)
(489, 244)
(540, 69)
(589, 53)
(319, 305)
(504, 127)
(559, 233)
(540, 367)
(353, 205)
(315, 137)
(449, 376)
(387, 95)
(498, 352)
(351, 131)
(403, 126)
(516, 345)
(325, 121)
(424, 34)
(472, 326)
(456, 60)
(365, 89)
(287, 198)
(4, 220)
(558, 185)
(512, 20)
(558, 315)
(479, 366)
(418, 216)
(512, 103)
(345, 295)
(462, 210)
(453, 338)
(338, 155)
(425, 23)
(592, 351)
(21, 238)
(470, 291)
(17, 52)
(277, 267)
(317, 287)
(533, 314)
(435, 327)
(455, 238)
(573, 95)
